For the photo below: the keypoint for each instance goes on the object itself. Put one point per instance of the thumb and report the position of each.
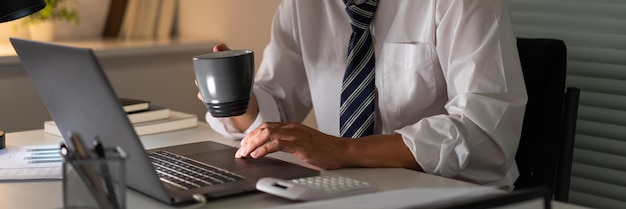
(220, 47)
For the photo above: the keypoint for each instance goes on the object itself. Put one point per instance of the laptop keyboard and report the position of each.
(186, 173)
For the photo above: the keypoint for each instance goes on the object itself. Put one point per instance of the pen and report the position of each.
(79, 147)
(106, 173)
(88, 173)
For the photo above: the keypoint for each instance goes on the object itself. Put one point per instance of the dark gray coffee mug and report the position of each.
(225, 81)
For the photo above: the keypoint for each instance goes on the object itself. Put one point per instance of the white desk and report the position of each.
(48, 194)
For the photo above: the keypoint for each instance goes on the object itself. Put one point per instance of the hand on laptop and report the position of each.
(327, 151)
(308, 144)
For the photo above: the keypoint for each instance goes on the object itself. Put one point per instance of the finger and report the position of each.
(280, 142)
(200, 97)
(280, 139)
(267, 148)
(254, 139)
(268, 131)
(220, 47)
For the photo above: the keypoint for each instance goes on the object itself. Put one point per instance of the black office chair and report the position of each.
(544, 155)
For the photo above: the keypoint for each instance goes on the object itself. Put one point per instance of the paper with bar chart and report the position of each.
(30, 163)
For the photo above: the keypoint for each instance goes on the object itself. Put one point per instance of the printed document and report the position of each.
(30, 162)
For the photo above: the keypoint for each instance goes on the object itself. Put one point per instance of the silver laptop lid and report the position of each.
(80, 100)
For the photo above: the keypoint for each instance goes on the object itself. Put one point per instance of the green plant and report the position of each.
(54, 10)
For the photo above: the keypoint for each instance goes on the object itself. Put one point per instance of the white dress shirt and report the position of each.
(448, 79)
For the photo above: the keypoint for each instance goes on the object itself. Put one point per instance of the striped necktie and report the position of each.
(358, 89)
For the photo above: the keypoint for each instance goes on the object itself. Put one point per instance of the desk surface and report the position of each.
(48, 194)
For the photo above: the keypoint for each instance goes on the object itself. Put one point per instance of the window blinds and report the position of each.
(595, 34)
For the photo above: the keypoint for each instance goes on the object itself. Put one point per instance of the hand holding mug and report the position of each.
(216, 48)
(225, 80)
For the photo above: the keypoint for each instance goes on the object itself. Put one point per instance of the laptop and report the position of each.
(81, 101)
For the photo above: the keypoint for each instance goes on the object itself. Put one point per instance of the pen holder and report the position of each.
(95, 182)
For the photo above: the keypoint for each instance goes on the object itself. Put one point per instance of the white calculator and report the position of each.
(314, 188)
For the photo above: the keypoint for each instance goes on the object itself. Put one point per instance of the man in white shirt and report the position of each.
(450, 95)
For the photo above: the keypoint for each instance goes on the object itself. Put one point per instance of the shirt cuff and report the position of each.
(268, 112)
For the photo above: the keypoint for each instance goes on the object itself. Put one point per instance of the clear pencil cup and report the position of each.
(96, 182)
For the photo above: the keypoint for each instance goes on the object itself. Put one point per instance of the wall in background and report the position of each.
(166, 79)
(92, 16)
(237, 23)
(8, 29)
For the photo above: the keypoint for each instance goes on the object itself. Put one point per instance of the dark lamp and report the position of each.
(14, 9)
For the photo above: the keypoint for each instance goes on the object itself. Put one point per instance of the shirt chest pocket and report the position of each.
(406, 82)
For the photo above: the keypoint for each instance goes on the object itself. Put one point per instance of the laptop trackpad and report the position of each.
(198, 147)
(252, 168)
(225, 159)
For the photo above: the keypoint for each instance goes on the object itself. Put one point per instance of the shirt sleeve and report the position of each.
(478, 137)
(281, 87)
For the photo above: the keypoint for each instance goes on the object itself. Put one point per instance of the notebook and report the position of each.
(71, 83)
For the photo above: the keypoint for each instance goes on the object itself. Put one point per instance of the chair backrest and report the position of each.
(544, 155)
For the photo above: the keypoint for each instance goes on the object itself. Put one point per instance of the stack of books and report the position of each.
(146, 118)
